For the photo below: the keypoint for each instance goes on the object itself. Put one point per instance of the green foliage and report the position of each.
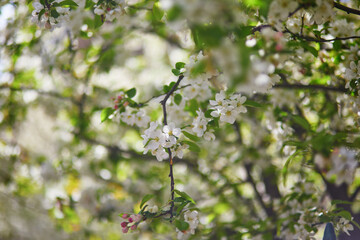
(105, 113)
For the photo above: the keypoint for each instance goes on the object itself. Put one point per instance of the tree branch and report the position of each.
(346, 9)
(312, 39)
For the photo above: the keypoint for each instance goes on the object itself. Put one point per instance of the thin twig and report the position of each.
(346, 9)
(157, 96)
(171, 174)
(312, 39)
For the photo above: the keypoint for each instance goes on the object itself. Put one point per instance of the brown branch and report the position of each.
(171, 174)
(320, 40)
(157, 96)
(260, 27)
(346, 9)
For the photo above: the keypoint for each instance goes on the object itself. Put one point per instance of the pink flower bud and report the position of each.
(124, 224)
(133, 227)
(125, 230)
(130, 220)
(116, 107)
(126, 103)
(125, 216)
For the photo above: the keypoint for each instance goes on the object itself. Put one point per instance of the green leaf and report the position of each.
(324, 218)
(98, 21)
(333, 202)
(42, 11)
(185, 195)
(181, 225)
(176, 72)
(208, 35)
(158, 13)
(105, 113)
(191, 136)
(177, 99)
(174, 12)
(68, 2)
(181, 207)
(89, 4)
(54, 13)
(286, 166)
(344, 214)
(311, 49)
(131, 92)
(302, 122)
(146, 198)
(167, 88)
(192, 146)
(179, 65)
(295, 143)
(337, 45)
(180, 199)
(252, 104)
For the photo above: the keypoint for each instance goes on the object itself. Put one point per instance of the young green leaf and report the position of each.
(344, 214)
(302, 122)
(131, 93)
(177, 99)
(184, 195)
(192, 146)
(286, 166)
(146, 198)
(69, 3)
(191, 136)
(181, 225)
(250, 103)
(176, 72)
(179, 65)
(105, 113)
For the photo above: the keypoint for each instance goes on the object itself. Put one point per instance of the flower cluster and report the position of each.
(197, 86)
(191, 217)
(51, 15)
(109, 9)
(351, 73)
(280, 9)
(132, 221)
(341, 28)
(157, 141)
(228, 109)
(199, 126)
(135, 117)
(323, 11)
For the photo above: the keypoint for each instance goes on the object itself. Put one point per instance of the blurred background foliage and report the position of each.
(66, 175)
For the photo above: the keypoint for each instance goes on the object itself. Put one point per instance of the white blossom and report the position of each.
(344, 225)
